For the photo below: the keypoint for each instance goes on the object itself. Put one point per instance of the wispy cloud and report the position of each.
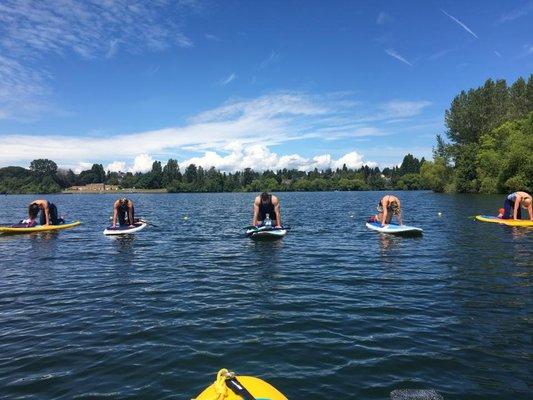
(497, 54)
(32, 30)
(440, 54)
(113, 48)
(393, 53)
(210, 36)
(462, 25)
(383, 18)
(183, 41)
(280, 117)
(228, 80)
(518, 12)
(527, 50)
(404, 109)
(271, 59)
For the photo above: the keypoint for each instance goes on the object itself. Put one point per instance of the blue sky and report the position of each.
(232, 84)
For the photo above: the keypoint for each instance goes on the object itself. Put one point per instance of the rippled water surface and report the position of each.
(331, 311)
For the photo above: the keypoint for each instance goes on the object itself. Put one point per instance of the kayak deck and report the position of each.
(256, 387)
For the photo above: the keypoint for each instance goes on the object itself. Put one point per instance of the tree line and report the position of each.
(488, 143)
(44, 176)
(487, 148)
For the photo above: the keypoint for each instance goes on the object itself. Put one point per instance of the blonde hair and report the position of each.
(526, 202)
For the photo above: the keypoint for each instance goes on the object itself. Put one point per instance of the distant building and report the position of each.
(94, 187)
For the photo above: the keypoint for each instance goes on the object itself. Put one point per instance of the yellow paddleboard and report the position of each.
(221, 389)
(38, 228)
(508, 222)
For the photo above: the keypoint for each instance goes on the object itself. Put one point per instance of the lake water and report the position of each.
(331, 311)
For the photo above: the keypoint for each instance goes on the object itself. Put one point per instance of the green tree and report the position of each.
(190, 173)
(43, 167)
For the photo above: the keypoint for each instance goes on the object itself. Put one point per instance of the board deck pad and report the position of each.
(266, 232)
(501, 221)
(394, 229)
(21, 228)
(125, 229)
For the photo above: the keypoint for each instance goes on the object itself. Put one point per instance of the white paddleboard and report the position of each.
(125, 229)
(266, 232)
(394, 229)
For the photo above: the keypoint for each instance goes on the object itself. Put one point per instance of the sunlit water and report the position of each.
(331, 311)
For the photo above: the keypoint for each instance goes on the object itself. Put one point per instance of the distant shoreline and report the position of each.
(122, 191)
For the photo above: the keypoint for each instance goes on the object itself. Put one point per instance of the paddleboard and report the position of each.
(258, 388)
(20, 228)
(266, 232)
(394, 229)
(125, 229)
(508, 222)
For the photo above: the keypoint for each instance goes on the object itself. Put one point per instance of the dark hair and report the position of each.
(265, 196)
(33, 210)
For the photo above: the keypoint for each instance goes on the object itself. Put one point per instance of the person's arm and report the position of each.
(385, 206)
(517, 201)
(46, 211)
(130, 214)
(530, 211)
(115, 214)
(256, 213)
(399, 212)
(277, 209)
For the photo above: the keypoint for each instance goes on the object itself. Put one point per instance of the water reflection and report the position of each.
(388, 243)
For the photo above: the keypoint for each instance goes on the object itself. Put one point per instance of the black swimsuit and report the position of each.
(123, 217)
(267, 208)
(52, 212)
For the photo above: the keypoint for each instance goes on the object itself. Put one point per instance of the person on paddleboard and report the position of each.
(267, 205)
(388, 207)
(123, 211)
(47, 210)
(512, 203)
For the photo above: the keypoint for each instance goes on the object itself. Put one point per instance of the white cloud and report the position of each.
(32, 30)
(352, 160)
(259, 157)
(116, 166)
(82, 166)
(497, 54)
(270, 119)
(229, 79)
(462, 25)
(142, 163)
(393, 53)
